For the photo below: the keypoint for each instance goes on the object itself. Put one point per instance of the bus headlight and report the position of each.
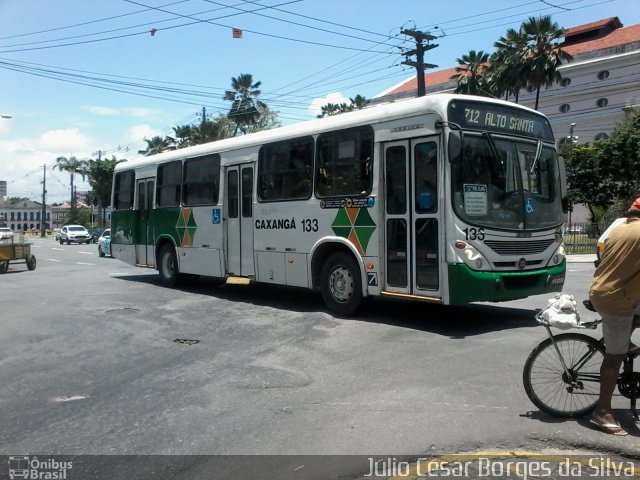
(474, 258)
(558, 256)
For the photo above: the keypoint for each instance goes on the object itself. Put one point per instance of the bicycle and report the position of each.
(562, 374)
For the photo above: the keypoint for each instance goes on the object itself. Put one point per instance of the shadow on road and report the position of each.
(451, 321)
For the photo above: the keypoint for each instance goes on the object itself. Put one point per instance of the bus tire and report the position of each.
(341, 285)
(168, 266)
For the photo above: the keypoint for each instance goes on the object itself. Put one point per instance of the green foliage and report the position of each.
(356, 103)
(531, 55)
(246, 109)
(470, 73)
(606, 174)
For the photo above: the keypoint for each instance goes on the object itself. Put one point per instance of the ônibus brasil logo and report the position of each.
(24, 466)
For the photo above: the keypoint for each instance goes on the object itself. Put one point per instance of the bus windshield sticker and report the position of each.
(475, 199)
(216, 217)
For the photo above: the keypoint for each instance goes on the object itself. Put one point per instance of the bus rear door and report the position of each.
(144, 235)
(239, 220)
(412, 218)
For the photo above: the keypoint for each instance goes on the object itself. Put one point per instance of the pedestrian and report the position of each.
(615, 294)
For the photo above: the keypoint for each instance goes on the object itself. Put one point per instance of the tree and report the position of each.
(470, 73)
(508, 71)
(590, 182)
(605, 173)
(100, 175)
(74, 167)
(267, 121)
(620, 154)
(158, 144)
(542, 53)
(356, 103)
(245, 108)
(185, 136)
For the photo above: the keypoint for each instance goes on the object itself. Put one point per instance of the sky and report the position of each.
(89, 78)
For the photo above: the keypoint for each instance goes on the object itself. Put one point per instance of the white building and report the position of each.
(23, 215)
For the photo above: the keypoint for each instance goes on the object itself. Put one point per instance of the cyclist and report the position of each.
(615, 294)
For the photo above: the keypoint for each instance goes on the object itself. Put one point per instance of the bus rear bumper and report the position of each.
(466, 285)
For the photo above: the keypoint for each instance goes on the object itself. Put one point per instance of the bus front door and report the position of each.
(144, 236)
(239, 220)
(412, 218)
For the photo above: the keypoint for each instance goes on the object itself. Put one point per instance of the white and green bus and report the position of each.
(445, 198)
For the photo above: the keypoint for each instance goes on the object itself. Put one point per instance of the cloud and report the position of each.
(66, 142)
(318, 103)
(139, 112)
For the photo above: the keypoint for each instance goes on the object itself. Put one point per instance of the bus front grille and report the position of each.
(525, 247)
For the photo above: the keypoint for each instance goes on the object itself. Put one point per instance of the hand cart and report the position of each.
(15, 249)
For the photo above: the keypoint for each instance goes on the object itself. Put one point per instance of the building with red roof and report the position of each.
(599, 85)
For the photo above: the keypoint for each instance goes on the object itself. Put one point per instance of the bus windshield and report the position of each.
(507, 183)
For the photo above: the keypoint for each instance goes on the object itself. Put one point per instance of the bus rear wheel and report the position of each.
(341, 285)
(168, 266)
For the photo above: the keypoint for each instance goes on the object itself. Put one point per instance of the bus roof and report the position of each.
(437, 102)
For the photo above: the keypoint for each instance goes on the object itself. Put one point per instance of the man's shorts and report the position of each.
(617, 333)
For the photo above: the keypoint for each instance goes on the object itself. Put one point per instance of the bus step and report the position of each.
(238, 281)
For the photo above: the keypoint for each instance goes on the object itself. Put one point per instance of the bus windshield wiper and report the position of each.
(535, 160)
(493, 148)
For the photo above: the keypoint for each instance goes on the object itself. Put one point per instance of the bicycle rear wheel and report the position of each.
(554, 391)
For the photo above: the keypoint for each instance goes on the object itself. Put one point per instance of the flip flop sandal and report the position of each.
(609, 428)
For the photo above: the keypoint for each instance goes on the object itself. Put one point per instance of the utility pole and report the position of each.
(43, 215)
(421, 47)
(203, 137)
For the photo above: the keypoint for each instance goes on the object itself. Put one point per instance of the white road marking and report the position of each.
(85, 263)
(59, 249)
(53, 260)
(86, 253)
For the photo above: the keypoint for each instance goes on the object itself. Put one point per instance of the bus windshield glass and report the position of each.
(507, 183)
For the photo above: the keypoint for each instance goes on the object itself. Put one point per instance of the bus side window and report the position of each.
(344, 162)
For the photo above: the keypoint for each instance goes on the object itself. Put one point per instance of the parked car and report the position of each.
(104, 243)
(600, 245)
(74, 233)
(5, 233)
(95, 233)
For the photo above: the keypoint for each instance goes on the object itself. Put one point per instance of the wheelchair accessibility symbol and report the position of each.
(216, 217)
(529, 206)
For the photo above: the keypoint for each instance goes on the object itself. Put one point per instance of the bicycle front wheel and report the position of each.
(571, 393)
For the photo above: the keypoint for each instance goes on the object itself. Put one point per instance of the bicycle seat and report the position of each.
(588, 305)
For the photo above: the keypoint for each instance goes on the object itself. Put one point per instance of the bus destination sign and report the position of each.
(499, 118)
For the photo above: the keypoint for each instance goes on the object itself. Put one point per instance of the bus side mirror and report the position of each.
(564, 194)
(455, 146)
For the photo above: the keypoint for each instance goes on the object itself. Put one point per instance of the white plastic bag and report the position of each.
(562, 312)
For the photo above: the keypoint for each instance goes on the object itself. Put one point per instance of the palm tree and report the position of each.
(470, 73)
(158, 144)
(331, 109)
(542, 53)
(100, 176)
(185, 136)
(358, 102)
(508, 70)
(245, 109)
(74, 167)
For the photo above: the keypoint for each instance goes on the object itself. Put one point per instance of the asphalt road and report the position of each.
(97, 358)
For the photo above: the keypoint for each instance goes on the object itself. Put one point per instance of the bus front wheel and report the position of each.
(168, 266)
(341, 284)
